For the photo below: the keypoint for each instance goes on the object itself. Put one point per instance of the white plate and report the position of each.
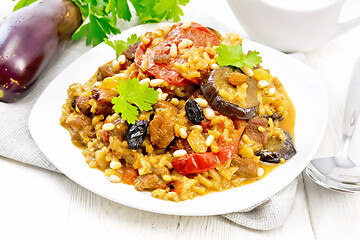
(304, 86)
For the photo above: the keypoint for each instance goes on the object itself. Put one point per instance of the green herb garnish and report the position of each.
(158, 10)
(100, 16)
(233, 55)
(131, 93)
(120, 46)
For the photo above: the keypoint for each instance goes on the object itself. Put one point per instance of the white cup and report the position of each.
(291, 25)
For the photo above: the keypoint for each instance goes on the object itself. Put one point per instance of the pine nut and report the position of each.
(114, 179)
(196, 127)
(162, 96)
(173, 50)
(209, 113)
(262, 83)
(189, 42)
(156, 82)
(271, 91)
(183, 44)
(166, 29)
(179, 153)
(175, 101)
(209, 140)
(145, 81)
(214, 66)
(248, 71)
(115, 65)
(115, 165)
(121, 59)
(186, 24)
(183, 133)
(202, 102)
(108, 126)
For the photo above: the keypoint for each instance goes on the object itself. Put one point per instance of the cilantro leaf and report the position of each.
(81, 31)
(252, 59)
(170, 9)
(98, 7)
(230, 55)
(84, 7)
(144, 9)
(100, 16)
(119, 9)
(158, 10)
(99, 27)
(233, 55)
(128, 112)
(131, 93)
(22, 3)
(120, 46)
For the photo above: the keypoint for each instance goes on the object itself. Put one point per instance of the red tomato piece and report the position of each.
(198, 34)
(202, 162)
(205, 124)
(128, 176)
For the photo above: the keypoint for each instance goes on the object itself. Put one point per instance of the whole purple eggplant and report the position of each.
(29, 39)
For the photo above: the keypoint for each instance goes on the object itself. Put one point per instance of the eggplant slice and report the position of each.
(210, 89)
(276, 149)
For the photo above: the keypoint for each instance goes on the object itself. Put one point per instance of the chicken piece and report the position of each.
(149, 182)
(253, 128)
(80, 128)
(104, 72)
(247, 168)
(103, 99)
(131, 50)
(161, 128)
(83, 105)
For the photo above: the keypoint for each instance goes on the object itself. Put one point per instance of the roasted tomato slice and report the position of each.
(198, 34)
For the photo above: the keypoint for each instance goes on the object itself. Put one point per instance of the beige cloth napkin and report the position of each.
(16, 142)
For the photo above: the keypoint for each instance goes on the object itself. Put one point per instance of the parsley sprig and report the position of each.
(100, 16)
(158, 10)
(120, 46)
(233, 55)
(131, 93)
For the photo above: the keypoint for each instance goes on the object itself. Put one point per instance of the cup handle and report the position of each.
(347, 25)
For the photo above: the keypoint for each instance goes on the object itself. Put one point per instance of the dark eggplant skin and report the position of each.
(211, 93)
(272, 153)
(29, 38)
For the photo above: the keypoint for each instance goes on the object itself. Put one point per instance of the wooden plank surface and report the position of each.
(42, 203)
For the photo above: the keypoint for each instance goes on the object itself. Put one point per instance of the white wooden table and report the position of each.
(35, 202)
